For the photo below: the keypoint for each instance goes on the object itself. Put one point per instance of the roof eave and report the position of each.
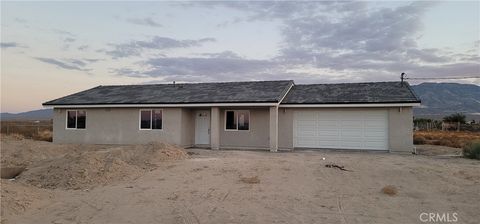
(354, 104)
(143, 105)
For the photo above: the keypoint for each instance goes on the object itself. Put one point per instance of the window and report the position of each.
(243, 120)
(237, 120)
(76, 119)
(231, 123)
(151, 119)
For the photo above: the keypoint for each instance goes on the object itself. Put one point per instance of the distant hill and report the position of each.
(43, 114)
(440, 99)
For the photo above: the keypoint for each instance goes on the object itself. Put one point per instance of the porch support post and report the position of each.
(215, 128)
(273, 129)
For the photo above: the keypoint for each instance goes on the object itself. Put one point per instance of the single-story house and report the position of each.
(268, 115)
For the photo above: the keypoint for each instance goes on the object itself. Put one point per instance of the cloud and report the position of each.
(63, 32)
(135, 48)
(69, 40)
(198, 68)
(5, 45)
(322, 42)
(20, 20)
(83, 47)
(352, 38)
(69, 64)
(92, 60)
(224, 54)
(380, 31)
(147, 21)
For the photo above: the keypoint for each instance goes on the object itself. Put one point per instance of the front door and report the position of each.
(202, 127)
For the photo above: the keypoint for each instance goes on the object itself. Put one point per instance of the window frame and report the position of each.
(76, 120)
(151, 120)
(235, 112)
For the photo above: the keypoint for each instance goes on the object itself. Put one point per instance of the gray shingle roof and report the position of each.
(343, 93)
(221, 92)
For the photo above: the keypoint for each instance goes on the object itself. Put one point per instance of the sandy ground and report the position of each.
(438, 150)
(294, 187)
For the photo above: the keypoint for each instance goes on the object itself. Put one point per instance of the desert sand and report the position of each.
(252, 187)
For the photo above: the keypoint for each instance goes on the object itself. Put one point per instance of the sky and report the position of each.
(52, 49)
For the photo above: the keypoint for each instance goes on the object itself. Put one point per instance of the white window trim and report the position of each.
(76, 120)
(151, 120)
(235, 111)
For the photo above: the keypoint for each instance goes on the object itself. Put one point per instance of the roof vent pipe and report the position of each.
(402, 77)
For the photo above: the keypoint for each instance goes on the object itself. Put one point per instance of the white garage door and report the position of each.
(362, 129)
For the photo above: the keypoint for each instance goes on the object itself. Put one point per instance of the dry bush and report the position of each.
(250, 180)
(44, 136)
(419, 140)
(447, 142)
(447, 138)
(13, 136)
(26, 128)
(390, 190)
(472, 150)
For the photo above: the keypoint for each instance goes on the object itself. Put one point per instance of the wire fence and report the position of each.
(28, 129)
(445, 126)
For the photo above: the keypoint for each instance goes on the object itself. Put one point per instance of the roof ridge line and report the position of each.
(409, 87)
(346, 83)
(193, 83)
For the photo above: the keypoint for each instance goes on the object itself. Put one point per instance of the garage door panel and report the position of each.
(325, 123)
(376, 135)
(329, 144)
(362, 129)
(374, 123)
(375, 145)
(351, 123)
(327, 133)
(306, 142)
(352, 133)
(306, 122)
(351, 144)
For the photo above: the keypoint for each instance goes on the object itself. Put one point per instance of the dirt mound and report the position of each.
(16, 198)
(156, 152)
(23, 152)
(82, 169)
(78, 171)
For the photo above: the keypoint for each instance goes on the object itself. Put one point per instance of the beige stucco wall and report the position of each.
(285, 129)
(215, 128)
(188, 127)
(400, 127)
(255, 138)
(119, 126)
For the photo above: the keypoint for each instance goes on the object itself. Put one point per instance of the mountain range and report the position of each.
(42, 114)
(438, 100)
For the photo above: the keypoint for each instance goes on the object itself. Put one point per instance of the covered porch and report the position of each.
(231, 127)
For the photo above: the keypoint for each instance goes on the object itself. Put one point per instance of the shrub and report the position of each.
(390, 190)
(456, 117)
(446, 142)
(472, 150)
(44, 136)
(250, 180)
(419, 140)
